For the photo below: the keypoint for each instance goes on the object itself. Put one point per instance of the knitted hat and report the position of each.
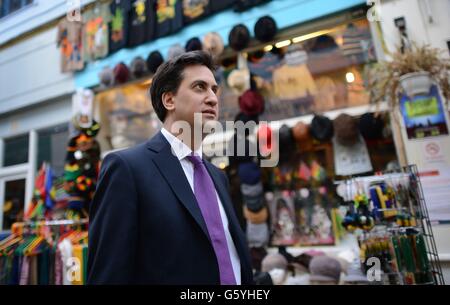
(251, 103)
(321, 128)
(346, 129)
(239, 37)
(325, 269)
(154, 60)
(265, 29)
(273, 261)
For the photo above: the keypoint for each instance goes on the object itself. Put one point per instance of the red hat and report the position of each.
(121, 73)
(265, 138)
(251, 103)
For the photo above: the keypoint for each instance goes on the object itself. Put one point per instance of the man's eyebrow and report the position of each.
(200, 81)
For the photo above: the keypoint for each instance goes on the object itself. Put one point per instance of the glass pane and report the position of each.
(13, 207)
(16, 150)
(52, 144)
(15, 5)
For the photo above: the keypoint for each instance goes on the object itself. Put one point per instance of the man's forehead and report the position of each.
(199, 73)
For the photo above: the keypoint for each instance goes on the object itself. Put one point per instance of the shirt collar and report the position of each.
(180, 149)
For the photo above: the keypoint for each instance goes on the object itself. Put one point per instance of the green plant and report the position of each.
(384, 77)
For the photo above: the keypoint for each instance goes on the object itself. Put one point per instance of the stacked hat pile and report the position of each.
(255, 210)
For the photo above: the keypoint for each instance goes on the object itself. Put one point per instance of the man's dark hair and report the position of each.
(169, 75)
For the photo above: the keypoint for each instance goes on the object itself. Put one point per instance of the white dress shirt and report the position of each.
(181, 151)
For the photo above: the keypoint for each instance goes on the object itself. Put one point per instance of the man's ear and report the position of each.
(168, 101)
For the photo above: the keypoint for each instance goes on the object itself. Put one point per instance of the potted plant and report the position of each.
(412, 71)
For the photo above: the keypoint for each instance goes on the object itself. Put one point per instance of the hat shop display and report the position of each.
(154, 60)
(121, 73)
(251, 103)
(106, 77)
(321, 128)
(239, 37)
(265, 29)
(371, 126)
(213, 43)
(193, 44)
(346, 129)
(175, 50)
(138, 67)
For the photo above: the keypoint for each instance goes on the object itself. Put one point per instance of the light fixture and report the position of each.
(350, 77)
(222, 165)
(282, 44)
(268, 48)
(309, 36)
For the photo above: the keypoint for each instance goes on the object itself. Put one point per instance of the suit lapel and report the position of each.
(170, 167)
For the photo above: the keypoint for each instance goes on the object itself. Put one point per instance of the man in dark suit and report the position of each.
(161, 214)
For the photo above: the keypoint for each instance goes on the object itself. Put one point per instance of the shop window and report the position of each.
(13, 202)
(52, 143)
(10, 6)
(15, 150)
(126, 115)
(316, 72)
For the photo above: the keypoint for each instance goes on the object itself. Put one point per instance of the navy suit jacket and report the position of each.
(146, 226)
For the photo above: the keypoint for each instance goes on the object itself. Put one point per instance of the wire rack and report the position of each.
(418, 208)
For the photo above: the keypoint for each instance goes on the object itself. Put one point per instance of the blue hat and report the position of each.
(249, 173)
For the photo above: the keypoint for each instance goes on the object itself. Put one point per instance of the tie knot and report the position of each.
(195, 159)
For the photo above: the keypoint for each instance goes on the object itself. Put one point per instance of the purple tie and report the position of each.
(204, 191)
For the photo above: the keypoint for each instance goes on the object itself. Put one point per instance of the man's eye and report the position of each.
(199, 86)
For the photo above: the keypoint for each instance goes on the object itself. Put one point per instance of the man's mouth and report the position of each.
(209, 111)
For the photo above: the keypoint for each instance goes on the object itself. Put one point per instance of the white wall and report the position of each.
(30, 72)
(419, 27)
(30, 17)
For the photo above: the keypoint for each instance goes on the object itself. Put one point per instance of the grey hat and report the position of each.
(273, 261)
(325, 269)
(252, 189)
(175, 50)
(257, 234)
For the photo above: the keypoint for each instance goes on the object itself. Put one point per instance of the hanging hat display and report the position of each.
(251, 103)
(193, 44)
(239, 37)
(256, 217)
(239, 81)
(175, 50)
(249, 173)
(213, 43)
(154, 60)
(138, 67)
(264, 136)
(121, 73)
(106, 77)
(286, 138)
(371, 126)
(300, 132)
(265, 29)
(321, 128)
(346, 129)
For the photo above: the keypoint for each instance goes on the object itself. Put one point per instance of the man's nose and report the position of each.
(212, 99)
